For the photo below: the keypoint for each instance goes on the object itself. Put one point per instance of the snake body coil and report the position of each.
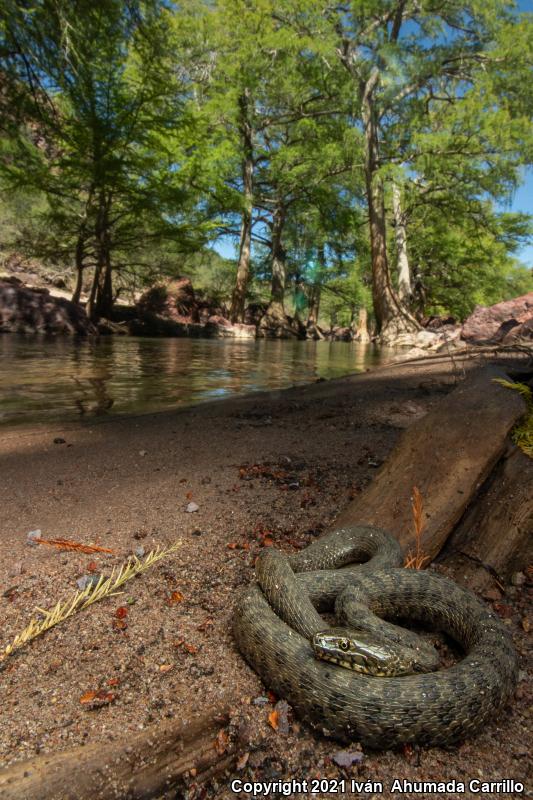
(436, 708)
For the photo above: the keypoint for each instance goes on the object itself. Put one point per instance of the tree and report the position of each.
(403, 60)
(90, 78)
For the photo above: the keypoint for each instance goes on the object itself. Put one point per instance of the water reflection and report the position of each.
(65, 379)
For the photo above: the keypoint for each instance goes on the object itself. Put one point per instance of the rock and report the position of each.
(260, 701)
(347, 758)
(174, 300)
(275, 325)
(192, 507)
(221, 328)
(282, 709)
(87, 580)
(518, 578)
(32, 535)
(175, 309)
(140, 551)
(24, 310)
(493, 324)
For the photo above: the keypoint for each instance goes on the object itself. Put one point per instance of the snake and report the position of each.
(279, 629)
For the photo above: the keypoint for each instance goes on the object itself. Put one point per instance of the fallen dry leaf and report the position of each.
(175, 598)
(189, 648)
(88, 697)
(273, 719)
(221, 742)
(120, 624)
(95, 699)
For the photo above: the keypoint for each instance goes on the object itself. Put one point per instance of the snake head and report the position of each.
(358, 652)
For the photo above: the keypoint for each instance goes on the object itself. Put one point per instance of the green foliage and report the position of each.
(125, 128)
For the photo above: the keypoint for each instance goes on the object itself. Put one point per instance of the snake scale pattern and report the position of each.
(436, 708)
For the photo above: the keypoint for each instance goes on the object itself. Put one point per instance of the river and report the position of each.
(64, 379)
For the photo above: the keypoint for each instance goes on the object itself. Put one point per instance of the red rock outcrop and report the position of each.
(510, 320)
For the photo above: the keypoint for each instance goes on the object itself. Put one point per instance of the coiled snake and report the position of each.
(434, 708)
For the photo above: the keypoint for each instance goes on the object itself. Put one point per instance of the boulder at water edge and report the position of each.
(24, 310)
(505, 322)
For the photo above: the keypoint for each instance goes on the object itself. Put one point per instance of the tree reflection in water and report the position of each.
(64, 378)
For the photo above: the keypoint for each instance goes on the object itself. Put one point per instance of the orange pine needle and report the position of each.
(417, 559)
(68, 544)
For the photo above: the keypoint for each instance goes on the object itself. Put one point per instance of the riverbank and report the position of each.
(274, 468)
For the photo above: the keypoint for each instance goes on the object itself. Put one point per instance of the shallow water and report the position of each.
(64, 379)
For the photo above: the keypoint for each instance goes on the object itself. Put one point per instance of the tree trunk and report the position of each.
(238, 299)
(361, 333)
(404, 273)
(101, 298)
(391, 318)
(314, 305)
(277, 303)
(80, 252)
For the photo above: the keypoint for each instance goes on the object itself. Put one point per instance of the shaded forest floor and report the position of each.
(270, 469)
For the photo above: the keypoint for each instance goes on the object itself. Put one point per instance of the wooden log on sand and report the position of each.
(448, 455)
(137, 767)
(495, 536)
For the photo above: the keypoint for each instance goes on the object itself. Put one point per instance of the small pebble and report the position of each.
(260, 701)
(33, 535)
(192, 507)
(87, 580)
(140, 551)
(143, 452)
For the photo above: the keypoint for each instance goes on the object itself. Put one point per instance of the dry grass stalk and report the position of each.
(106, 587)
(68, 544)
(417, 559)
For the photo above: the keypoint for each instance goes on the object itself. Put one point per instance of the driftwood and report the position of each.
(140, 767)
(448, 455)
(495, 536)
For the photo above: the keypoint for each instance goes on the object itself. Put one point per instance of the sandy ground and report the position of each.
(270, 469)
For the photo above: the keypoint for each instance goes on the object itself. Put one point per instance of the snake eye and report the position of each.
(344, 644)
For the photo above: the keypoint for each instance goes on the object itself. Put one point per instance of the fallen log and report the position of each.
(145, 766)
(448, 455)
(495, 536)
